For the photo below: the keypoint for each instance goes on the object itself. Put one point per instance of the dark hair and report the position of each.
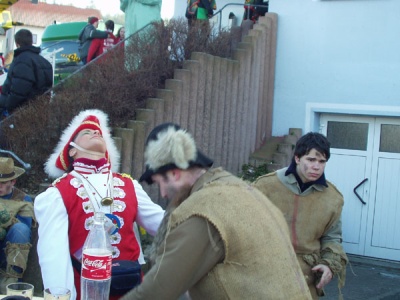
(119, 32)
(312, 140)
(23, 37)
(110, 25)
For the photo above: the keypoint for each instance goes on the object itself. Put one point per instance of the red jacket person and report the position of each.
(87, 159)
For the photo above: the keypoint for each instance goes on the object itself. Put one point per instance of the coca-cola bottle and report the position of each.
(96, 262)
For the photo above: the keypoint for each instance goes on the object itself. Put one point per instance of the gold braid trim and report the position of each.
(125, 175)
(62, 160)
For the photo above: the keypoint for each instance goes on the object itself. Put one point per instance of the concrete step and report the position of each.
(277, 152)
(280, 158)
(285, 149)
(290, 139)
(298, 132)
(265, 152)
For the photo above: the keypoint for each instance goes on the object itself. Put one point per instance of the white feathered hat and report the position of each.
(59, 163)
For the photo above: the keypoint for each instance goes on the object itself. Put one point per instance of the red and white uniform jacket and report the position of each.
(65, 209)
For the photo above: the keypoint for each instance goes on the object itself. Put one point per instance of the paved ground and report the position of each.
(368, 279)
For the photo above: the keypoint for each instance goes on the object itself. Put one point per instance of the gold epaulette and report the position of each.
(126, 175)
(54, 183)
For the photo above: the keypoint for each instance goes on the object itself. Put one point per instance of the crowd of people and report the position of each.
(30, 74)
(219, 237)
(24, 83)
(94, 42)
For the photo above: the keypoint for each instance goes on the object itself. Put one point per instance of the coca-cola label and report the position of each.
(96, 267)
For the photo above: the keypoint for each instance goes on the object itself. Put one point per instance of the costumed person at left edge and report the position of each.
(85, 158)
(16, 220)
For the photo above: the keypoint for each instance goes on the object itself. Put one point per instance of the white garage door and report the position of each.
(365, 166)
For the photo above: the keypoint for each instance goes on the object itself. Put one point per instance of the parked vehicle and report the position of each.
(63, 39)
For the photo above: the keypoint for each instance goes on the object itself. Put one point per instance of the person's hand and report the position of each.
(5, 216)
(326, 276)
(210, 12)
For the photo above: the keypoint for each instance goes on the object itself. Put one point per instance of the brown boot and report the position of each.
(17, 257)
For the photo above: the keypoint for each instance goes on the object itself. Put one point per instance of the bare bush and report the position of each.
(117, 82)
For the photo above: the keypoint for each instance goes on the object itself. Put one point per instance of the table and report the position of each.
(34, 298)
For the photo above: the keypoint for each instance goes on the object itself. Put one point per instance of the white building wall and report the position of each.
(7, 42)
(342, 52)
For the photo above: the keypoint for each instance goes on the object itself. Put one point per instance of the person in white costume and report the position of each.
(85, 161)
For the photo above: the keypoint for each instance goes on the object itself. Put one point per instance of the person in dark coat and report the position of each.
(87, 34)
(100, 46)
(30, 74)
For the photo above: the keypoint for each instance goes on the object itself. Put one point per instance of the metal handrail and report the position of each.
(50, 90)
(52, 45)
(235, 4)
(25, 165)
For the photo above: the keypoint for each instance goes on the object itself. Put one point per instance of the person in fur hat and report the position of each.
(85, 162)
(220, 238)
(312, 207)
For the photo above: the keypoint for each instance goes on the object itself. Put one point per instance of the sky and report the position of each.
(110, 6)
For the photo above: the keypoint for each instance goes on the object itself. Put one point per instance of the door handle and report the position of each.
(355, 191)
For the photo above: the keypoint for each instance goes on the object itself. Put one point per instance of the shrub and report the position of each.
(251, 172)
(118, 82)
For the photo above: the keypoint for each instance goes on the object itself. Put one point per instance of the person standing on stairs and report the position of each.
(312, 207)
(86, 36)
(100, 46)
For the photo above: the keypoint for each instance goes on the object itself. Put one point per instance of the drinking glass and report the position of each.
(20, 289)
(59, 293)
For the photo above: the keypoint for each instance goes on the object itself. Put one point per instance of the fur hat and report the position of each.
(8, 171)
(168, 146)
(58, 163)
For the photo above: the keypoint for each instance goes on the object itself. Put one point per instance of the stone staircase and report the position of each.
(277, 152)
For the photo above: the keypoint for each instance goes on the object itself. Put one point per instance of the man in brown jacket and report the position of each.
(312, 207)
(220, 238)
